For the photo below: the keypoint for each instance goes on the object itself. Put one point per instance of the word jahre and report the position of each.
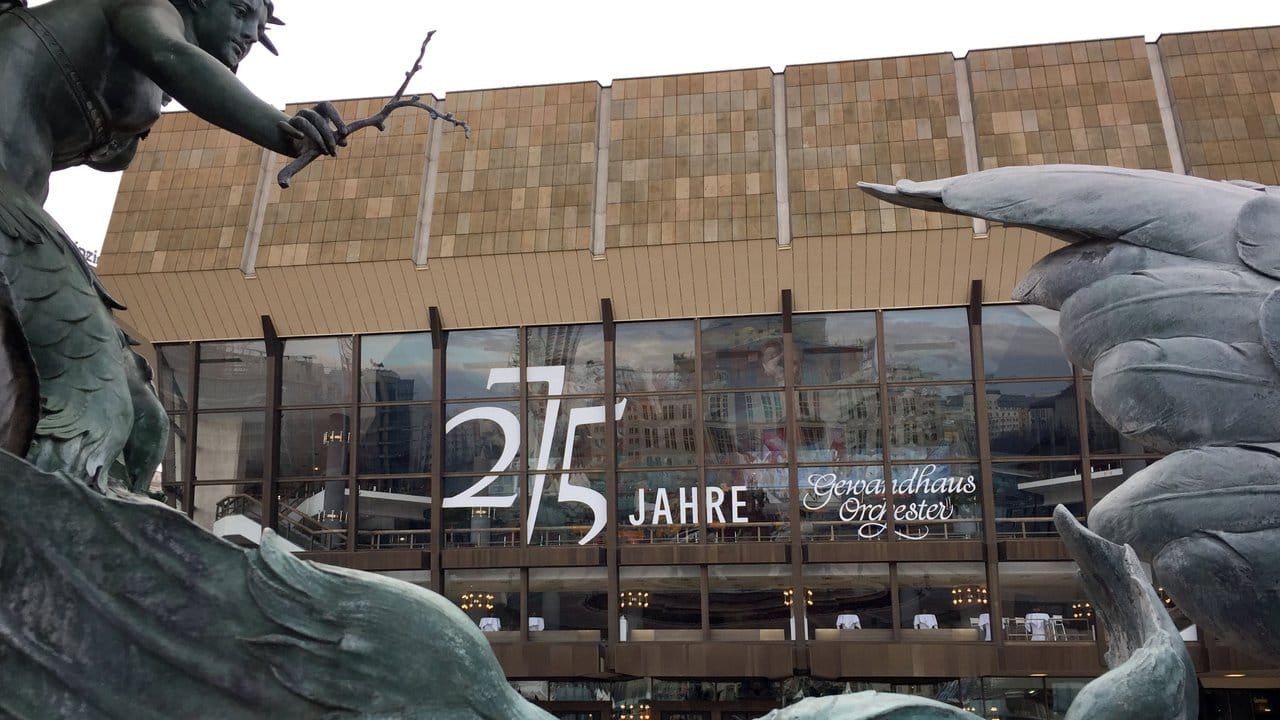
(863, 500)
(687, 506)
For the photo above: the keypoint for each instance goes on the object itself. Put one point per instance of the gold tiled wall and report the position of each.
(524, 180)
(691, 159)
(1088, 102)
(1225, 89)
(874, 120)
(184, 203)
(361, 205)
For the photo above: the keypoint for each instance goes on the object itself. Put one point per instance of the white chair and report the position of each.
(848, 621)
(1038, 626)
(984, 625)
(490, 624)
(925, 621)
(537, 624)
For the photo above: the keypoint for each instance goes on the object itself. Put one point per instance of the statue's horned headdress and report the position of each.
(271, 20)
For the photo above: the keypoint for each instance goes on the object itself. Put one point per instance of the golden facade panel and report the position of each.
(874, 120)
(1088, 102)
(691, 159)
(1226, 94)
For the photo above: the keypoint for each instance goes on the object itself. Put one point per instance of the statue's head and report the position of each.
(227, 29)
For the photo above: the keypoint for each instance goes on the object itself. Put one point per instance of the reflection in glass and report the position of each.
(395, 439)
(469, 357)
(658, 507)
(756, 505)
(173, 375)
(313, 515)
(579, 349)
(927, 421)
(482, 526)
(229, 445)
(660, 603)
(316, 371)
(173, 467)
(658, 431)
(1021, 341)
(491, 598)
(836, 348)
(588, 438)
(937, 501)
(840, 504)
(654, 356)
(232, 512)
(1033, 418)
(742, 352)
(233, 374)
(395, 367)
(175, 496)
(1044, 601)
(1026, 494)
(850, 601)
(569, 599)
(566, 523)
(478, 443)
(314, 442)
(751, 597)
(394, 514)
(930, 344)
(838, 425)
(943, 601)
(1016, 698)
(745, 428)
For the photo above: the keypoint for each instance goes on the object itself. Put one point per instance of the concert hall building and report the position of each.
(688, 425)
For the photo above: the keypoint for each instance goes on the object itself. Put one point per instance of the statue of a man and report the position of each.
(81, 83)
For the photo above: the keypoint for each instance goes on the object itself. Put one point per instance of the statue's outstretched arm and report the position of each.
(151, 34)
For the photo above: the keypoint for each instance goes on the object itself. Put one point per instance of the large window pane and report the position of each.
(742, 352)
(1044, 601)
(469, 357)
(173, 376)
(232, 512)
(578, 349)
(317, 371)
(173, 467)
(756, 505)
(567, 523)
(660, 507)
(660, 603)
(838, 425)
(1022, 341)
(654, 356)
(843, 503)
(395, 439)
(752, 598)
(937, 501)
(233, 374)
(490, 514)
(394, 514)
(572, 604)
(745, 428)
(395, 367)
(1033, 418)
(588, 440)
(927, 345)
(313, 515)
(491, 598)
(932, 422)
(943, 601)
(850, 601)
(314, 442)
(1026, 494)
(487, 437)
(658, 431)
(229, 445)
(836, 348)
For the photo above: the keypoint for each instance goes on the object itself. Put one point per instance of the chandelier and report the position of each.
(1164, 598)
(634, 599)
(1081, 611)
(788, 597)
(966, 595)
(476, 601)
(633, 711)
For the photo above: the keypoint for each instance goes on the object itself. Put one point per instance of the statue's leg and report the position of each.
(19, 385)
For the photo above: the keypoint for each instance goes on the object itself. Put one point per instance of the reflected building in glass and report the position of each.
(635, 377)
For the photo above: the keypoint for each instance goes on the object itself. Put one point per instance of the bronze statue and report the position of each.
(81, 83)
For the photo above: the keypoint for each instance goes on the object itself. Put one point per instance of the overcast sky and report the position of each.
(336, 49)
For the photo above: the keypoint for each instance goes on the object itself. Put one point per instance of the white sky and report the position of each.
(337, 49)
